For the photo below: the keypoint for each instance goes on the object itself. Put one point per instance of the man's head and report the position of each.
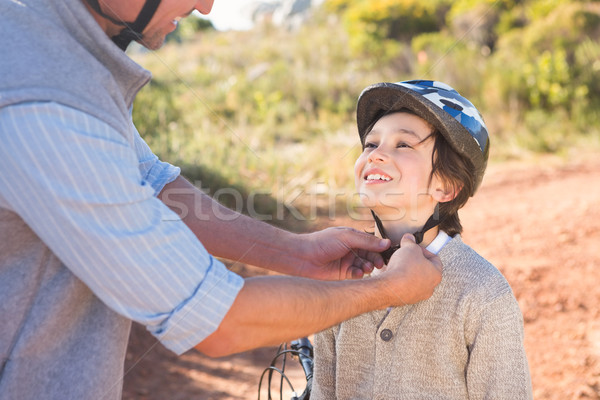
(146, 21)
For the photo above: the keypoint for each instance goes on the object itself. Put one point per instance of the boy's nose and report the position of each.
(378, 155)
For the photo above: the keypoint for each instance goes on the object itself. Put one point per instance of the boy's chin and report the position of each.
(388, 213)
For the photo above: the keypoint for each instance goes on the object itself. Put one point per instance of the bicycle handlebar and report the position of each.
(304, 350)
(305, 354)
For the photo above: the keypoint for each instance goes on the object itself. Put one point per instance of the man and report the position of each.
(87, 245)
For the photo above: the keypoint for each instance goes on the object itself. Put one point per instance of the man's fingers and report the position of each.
(368, 248)
(357, 266)
(364, 265)
(354, 273)
(365, 241)
(435, 260)
(421, 271)
(374, 258)
(409, 240)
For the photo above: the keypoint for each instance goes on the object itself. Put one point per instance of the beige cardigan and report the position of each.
(465, 342)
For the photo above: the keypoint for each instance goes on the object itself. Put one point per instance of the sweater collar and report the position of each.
(77, 20)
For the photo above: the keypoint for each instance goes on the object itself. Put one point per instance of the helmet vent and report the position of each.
(452, 104)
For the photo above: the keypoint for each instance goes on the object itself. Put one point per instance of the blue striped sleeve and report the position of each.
(78, 184)
(155, 172)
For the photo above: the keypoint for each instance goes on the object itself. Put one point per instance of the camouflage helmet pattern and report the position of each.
(454, 116)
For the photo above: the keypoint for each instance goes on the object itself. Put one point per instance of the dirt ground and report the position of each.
(538, 222)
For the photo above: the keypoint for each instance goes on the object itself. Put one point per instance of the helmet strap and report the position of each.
(132, 30)
(96, 7)
(433, 221)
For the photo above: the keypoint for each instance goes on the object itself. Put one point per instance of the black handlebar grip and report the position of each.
(305, 354)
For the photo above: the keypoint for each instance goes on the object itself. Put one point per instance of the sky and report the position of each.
(226, 14)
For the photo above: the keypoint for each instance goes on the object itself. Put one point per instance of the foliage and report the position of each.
(188, 27)
(271, 111)
(440, 56)
(377, 26)
(549, 64)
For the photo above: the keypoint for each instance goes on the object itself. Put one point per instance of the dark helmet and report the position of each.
(443, 107)
(132, 30)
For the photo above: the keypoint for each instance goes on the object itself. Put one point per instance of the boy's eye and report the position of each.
(369, 145)
(404, 145)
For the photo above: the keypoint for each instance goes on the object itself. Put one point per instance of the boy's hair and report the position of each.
(456, 173)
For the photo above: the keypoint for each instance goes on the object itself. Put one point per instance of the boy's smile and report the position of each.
(392, 174)
(375, 176)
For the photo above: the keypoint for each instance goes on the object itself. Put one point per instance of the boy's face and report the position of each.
(392, 173)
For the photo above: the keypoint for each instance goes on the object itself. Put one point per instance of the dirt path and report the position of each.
(540, 225)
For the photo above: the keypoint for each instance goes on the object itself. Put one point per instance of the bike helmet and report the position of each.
(132, 30)
(454, 116)
(443, 107)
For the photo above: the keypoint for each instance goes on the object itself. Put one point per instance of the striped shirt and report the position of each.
(89, 194)
(85, 245)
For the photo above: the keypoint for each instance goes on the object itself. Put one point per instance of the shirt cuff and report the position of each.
(200, 315)
(161, 174)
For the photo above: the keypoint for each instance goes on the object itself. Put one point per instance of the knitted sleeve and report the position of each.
(497, 366)
(324, 366)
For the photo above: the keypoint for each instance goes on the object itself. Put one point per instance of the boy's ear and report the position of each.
(445, 193)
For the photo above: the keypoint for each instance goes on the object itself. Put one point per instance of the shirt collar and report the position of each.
(439, 242)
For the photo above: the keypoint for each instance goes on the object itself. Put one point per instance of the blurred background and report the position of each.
(273, 105)
(256, 103)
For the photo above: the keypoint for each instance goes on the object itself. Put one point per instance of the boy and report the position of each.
(425, 149)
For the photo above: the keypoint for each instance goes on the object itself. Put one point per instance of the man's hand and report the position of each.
(340, 253)
(412, 273)
(272, 309)
(331, 254)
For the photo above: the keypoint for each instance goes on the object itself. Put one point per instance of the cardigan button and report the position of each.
(386, 335)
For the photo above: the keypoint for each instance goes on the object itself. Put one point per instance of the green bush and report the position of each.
(378, 26)
(547, 64)
(442, 57)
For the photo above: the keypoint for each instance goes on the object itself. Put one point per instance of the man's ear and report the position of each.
(444, 193)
